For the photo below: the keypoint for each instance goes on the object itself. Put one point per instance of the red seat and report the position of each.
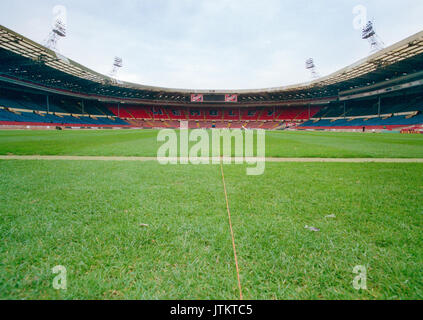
(267, 114)
(196, 114)
(177, 113)
(213, 114)
(250, 114)
(120, 112)
(138, 112)
(231, 114)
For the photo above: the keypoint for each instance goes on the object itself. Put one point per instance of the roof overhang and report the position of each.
(353, 76)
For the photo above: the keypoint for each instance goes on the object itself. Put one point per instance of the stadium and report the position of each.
(381, 92)
(82, 188)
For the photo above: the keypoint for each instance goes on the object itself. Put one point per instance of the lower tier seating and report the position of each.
(362, 122)
(26, 118)
(193, 124)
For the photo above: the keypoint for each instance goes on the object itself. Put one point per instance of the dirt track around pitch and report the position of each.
(281, 160)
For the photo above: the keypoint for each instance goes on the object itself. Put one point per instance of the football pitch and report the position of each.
(141, 230)
(143, 143)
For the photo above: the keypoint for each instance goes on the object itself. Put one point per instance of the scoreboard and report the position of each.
(217, 98)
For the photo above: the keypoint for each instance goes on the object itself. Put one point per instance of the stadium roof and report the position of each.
(25, 60)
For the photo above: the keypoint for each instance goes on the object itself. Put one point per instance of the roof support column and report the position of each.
(48, 104)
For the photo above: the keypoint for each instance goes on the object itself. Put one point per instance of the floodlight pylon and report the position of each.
(58, 31)
(312, 67)
(117, 64)
(369, 34)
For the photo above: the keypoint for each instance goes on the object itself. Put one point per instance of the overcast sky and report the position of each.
(214, 44)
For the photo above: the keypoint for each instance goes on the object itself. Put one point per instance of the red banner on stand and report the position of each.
(231, 98)
(197, 98)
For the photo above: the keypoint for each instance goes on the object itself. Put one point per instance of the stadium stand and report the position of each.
(295, 113)
(372, 123)
(158, 113)
(28, 109)
(222, 125)
(214, 114)
(267, 114)
(393, 112)
(231, 114)
(237, 124)
(371, 93)
(417, 129)
(121, 112)
(29, 118)
(196, 114)
(250, 115)
(177, 113)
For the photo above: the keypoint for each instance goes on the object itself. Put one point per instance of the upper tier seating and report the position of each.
(360, 108)
(295, 113)
(214, 114)
(138, 113)
(177, 113)
(267, 114)
(250, 114)
(121, 112)
(231, 114)
(196, 114)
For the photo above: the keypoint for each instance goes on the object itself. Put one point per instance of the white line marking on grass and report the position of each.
(145, 159)
(232, 232)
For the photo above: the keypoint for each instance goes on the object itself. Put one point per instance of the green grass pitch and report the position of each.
(88, 216)
(144, 143)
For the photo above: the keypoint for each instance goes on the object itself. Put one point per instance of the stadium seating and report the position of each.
(295, 113)
(267, 114)
(206, 124)
(377, 122)
(196, 114)
(177, 113)
(26, 118)
(121, 112)
(141, 113)
(270, 125)
(222, 125)
(157, 113)
(250, 115)
(28, 108)
(394, 112)
(231, 114)
(237, 124)
(214, 114)
(304, 114)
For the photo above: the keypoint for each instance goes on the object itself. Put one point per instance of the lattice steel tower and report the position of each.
(371, 36)
(117, 64)
(58, 31)
(312, 67)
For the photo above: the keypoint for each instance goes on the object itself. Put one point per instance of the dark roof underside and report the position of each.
(25, 60)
